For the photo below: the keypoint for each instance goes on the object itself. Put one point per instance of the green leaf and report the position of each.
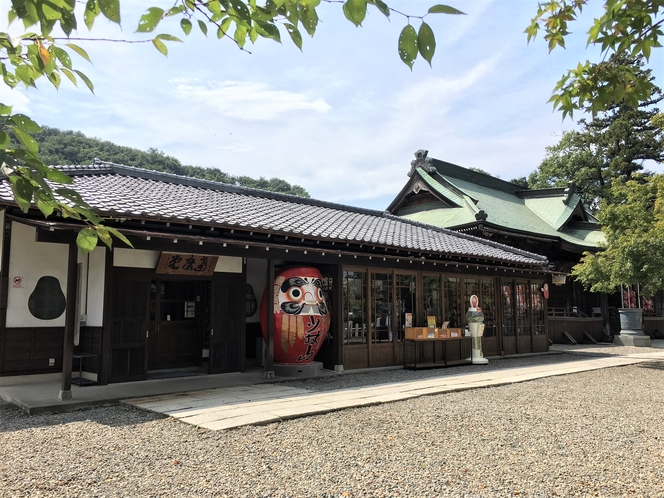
(203, 27)
(110, 9)
(25, 123)
(161, 46)
(382, 6)
(241, 10)
(26, 140)
(167, 37)
(63, 57)
(22, 190)
(223, 29)
(45, 203)
(86, 80)
(185, 24)
(86, 240)
(149, 20)
(426, 42)
(69, 75)
(119, 235)
(57, 176)
(79, 51)
(105, 237)
(408, 45)
(445, 9)
(309, 19)
(295, 35)
(4, 140)
(91, 13)
(355, 11)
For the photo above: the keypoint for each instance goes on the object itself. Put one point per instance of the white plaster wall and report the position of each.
(32, 260)
(228, 264)
(256, 273)
(135, 258)
(94, 276)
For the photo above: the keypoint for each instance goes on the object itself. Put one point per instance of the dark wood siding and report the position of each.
(28, 350)
(575, 327)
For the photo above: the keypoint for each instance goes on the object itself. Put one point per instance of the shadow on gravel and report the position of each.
(351, 379)
(654, 365)
(12, 418)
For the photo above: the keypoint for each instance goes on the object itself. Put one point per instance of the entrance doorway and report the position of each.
(179, 316)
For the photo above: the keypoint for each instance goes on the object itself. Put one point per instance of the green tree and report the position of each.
(57, 147)
(634, 229)
(39, 53)
(615, 144)
(626, 28)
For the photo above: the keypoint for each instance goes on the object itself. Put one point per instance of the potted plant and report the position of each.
(632, 219)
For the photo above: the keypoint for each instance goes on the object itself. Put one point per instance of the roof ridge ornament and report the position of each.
(421, 161)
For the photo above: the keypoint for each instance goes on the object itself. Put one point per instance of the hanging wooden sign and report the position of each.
(174, 263)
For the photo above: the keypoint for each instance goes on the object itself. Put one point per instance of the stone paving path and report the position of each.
(227, 408)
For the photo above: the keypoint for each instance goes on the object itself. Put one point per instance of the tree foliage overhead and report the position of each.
(631, 28)
(41, 52)
(59, 147)
(615, 144)
(634, 229)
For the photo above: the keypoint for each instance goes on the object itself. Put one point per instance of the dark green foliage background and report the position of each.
(58, 147)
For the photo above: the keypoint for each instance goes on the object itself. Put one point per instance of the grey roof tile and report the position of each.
(121, 190)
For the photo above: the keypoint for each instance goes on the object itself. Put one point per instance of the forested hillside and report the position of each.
(58, 147)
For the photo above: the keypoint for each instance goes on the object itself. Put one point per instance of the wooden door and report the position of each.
(175, 313)
(129, 330)
(227, 320)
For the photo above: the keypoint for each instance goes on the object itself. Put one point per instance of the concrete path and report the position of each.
(218, 409)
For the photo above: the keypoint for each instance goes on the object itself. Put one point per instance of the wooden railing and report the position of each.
(575, 328)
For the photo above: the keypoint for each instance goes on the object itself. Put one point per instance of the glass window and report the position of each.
(488, 304)
(537, 301)
(381, 307)
(405, 303)
(355, 306)
(507, 302)
(177, 300)
(522, 308)
(433, 303)
(452, 302)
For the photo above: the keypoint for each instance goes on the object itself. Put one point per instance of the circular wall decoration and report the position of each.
(47, 301)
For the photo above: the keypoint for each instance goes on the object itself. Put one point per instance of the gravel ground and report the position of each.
(598, 433)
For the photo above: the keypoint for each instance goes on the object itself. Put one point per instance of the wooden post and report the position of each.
(339, 320)
(606, 323)
(269, 352)
(70, 322)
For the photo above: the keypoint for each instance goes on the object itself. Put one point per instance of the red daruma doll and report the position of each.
(301, 317)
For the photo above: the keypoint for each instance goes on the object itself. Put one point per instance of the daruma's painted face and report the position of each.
(301, 315)
(302, 296)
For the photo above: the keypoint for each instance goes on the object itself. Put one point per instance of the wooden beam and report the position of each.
(269, 350)
(70, 322)
(338, 313)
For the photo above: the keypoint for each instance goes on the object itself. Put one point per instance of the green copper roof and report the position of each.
(544, 212)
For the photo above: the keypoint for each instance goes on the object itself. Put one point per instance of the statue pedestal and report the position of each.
(642, 341)
(312, 369)
(631, 325)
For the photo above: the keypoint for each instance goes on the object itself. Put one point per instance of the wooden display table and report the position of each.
(420, 335)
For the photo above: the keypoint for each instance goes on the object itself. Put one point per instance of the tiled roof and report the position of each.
(543, 212)
(123, 191)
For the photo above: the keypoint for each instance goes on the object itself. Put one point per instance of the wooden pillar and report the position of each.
(105, 353)
(70, 322)
(269, 350)
(4, 283)
(338, 319)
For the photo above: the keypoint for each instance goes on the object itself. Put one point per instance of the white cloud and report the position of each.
(250, 101)
(16, 98)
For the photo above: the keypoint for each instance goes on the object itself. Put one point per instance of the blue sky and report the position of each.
(342, 118)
